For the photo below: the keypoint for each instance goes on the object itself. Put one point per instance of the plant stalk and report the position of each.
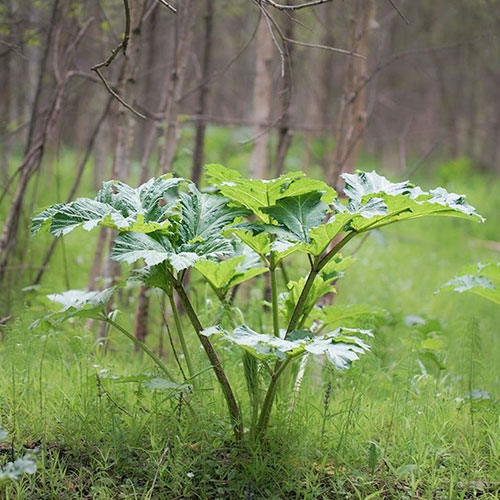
(267, 405)
(274, 295)
(234, 411)
(180, 334)
(142, 346)
(316, 267)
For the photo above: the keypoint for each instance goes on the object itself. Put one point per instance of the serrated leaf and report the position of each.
(297, 215)
(481, 279)
(347, 315)
(339, 347)
(256, 194)
(130, 247)
(323, 235)
(117, 205)
(77, 304)
(226, 274)
(259, 243)
(197, 234)
(203, 219)
(374, 202)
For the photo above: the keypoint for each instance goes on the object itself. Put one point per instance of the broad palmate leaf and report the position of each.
(374, 201)
(145, 209)
(258, 194)
(196, 235)
(480, 279)
(350, 315)
(77, 304)
(339, 346)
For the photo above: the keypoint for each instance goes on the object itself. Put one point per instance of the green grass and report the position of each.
(394, 426)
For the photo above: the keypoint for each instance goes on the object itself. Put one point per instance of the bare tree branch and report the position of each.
(295, 7)
(168, 6)
(122, 46)
(399, 11)
(325, 47)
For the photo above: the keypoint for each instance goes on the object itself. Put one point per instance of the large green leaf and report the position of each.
(256, 194)
(480, 279)
(374, 202)
(297, 215)
(339, 346)
(350, 315)
(226, 274)
(154, 248)
(203, 218)
(77, 304)
(195, 235)
(148, 208)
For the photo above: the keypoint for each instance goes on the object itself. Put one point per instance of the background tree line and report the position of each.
(117, 81)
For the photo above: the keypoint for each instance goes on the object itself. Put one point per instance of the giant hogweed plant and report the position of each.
(243, 228)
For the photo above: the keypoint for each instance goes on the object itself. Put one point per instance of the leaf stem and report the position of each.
(142, 346)
(316, 267)
(234, 411)
(267, 405)
(274, 295)
(180, 333)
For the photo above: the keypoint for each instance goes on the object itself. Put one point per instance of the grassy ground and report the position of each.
(398, 425)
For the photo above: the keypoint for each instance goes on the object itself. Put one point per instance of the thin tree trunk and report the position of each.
(32, 155)
(75, 186)
(141, 315)
(125, 134)
(352, 117)
(184, 32)
(285, 134)
(259, 161)
(199, 142)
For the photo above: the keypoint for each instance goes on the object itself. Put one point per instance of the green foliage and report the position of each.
(76, 304)
(480, 279)
(148, 208)
(236, 234)
(339, 347)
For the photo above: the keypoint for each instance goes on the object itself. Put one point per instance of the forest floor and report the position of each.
(418, 417)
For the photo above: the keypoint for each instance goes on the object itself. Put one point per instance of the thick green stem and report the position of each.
(142, 346)
(234, 411)
(274, 296)
(267, 405)
(180, 334)
(336, 249)
(316, 267)
(301, 302)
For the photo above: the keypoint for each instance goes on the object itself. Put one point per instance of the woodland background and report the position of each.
(423, 81)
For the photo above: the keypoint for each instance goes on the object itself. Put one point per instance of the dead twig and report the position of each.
(121, 47)
(168, 6)
(399, 11)
(279, 6)
(324, 47)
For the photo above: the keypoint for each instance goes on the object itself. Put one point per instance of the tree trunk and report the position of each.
(199, 142)
(184, 32)
(352, 117)
(285, 134)
(33, 151)
(262, 99)
(125, 135)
